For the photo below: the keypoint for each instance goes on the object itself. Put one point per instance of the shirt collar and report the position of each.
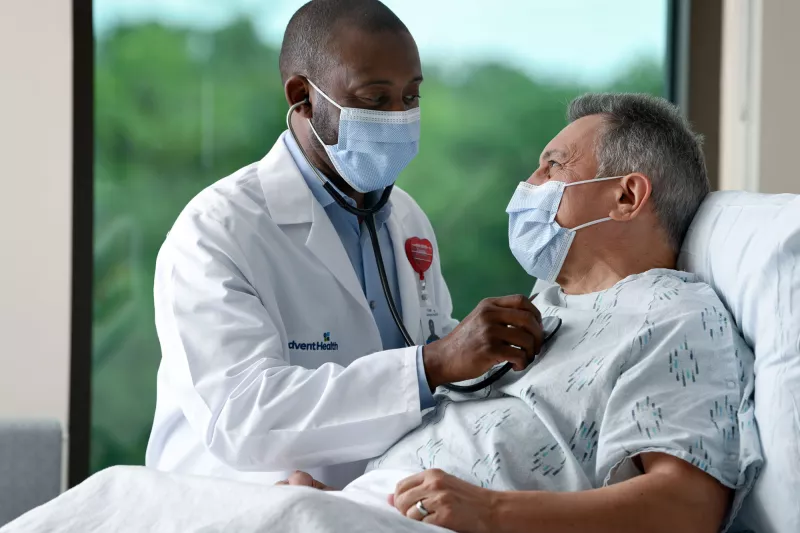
(319, 192)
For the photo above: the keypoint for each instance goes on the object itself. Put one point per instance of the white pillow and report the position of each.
(747, 247)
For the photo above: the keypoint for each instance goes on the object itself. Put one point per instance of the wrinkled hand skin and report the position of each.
(452, 503)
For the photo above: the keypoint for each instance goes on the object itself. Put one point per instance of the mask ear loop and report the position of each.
(322, 180)
(592, 223)
(314, 131)
(598, 221)
(328, 98)
(593, 180)
(327, 147)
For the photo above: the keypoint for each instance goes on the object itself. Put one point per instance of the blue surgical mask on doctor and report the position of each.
(538, 242)
(374, 146)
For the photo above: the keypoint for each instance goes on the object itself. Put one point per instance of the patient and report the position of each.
(638, 415)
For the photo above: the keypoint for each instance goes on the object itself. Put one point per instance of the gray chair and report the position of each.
(30, 465)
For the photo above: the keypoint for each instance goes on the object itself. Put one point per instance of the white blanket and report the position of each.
(127, 498)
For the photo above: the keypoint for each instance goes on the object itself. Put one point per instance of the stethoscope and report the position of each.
(368, 215)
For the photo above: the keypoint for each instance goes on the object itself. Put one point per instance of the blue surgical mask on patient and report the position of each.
(537, 241)
(374, 146)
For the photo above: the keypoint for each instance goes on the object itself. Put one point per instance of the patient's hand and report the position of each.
(302, 479)
(450, 502)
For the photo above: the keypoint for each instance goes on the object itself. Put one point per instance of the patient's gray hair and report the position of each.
(649, 135)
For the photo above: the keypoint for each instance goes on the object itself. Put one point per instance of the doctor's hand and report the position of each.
(497, 330)
(450, 502)
(302, 479)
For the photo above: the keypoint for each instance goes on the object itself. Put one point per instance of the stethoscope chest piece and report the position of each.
(550, 326)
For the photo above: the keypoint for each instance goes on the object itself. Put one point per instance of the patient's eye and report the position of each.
(553, 164)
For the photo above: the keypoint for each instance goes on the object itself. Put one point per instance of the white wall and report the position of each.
(35, 207)
(760, 118)
(780, 112)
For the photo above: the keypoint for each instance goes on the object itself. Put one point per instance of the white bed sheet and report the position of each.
(127, 498)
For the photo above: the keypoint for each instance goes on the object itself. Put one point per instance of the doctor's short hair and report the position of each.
(307, 39)
(650, 135)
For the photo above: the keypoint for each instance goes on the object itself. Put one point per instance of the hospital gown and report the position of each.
(653, 364)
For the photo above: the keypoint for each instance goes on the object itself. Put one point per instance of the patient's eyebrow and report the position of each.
(554, 152)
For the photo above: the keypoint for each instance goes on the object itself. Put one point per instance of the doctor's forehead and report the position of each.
(326, 34)
(385, 57)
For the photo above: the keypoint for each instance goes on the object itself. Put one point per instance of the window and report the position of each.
(189, 92)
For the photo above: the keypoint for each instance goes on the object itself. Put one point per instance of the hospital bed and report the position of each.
(747, 246)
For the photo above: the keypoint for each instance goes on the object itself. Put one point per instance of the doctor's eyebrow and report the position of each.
(416, 79)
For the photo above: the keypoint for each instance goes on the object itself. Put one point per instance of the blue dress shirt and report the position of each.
(357, 244)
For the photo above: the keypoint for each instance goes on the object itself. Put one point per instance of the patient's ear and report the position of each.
(633, 193)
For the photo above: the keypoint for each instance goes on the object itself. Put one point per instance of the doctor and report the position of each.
(279, 351)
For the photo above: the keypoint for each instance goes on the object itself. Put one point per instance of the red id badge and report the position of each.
(420, 255)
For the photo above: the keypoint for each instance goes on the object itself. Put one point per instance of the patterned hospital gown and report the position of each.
(654, 363)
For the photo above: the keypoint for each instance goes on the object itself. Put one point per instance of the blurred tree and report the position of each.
(177, 109)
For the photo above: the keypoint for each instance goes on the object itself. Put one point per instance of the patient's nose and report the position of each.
(538, 177)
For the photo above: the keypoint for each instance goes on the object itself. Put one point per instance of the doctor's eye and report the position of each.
(553, 164)
(378, 100)
(410, 99)
(374, 98)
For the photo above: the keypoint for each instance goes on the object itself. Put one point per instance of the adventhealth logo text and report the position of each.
(325, 344)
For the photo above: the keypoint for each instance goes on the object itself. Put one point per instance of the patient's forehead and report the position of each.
(576, 141)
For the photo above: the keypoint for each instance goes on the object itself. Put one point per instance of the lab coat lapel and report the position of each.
(324, 242)
(406, 277)
(290, 201)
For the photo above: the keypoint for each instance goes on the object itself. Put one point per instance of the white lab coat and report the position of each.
(251, 269)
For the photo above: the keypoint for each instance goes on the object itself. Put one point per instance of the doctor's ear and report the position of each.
(297, 89)
(632, 195)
